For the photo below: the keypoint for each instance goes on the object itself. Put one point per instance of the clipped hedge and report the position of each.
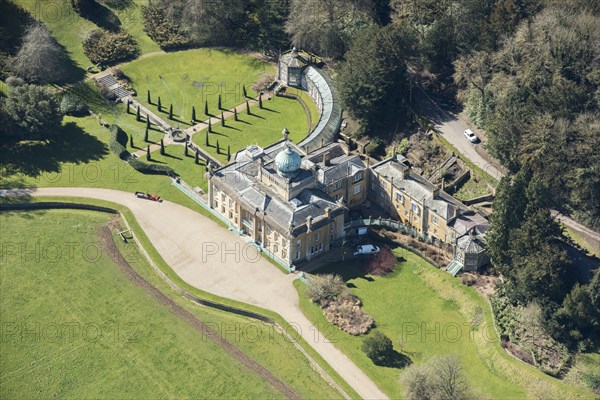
(117, 142)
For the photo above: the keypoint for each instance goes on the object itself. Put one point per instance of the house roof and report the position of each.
(418, 188)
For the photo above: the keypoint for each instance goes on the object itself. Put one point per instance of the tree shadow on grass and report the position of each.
(271, 110)
(232, 127)
(244, 122)
(172, 156)
(257, 116)
(32, 159)
(395, 360)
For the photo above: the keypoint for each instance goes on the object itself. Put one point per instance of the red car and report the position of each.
(147, 196)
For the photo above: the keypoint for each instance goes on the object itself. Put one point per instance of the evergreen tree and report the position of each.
(244, 91)
(235, 116)
(146, 136)
(193, 114)
(185, 150)
(162, 147)
(171, 112)
(209, 126)
(197, 160)
(149, 100)
(222, 119)
(206, 107)
(228, 153)
(147, 122)
(159, 105)
(131, 141)
(218, 147)
(206, 139)
(260, 105)
(138, 116)
(248, 108)
(128, 107)
(219, 103)
(148, 153)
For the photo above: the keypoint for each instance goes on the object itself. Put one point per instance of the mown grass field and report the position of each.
(81, 329)
(426, 312)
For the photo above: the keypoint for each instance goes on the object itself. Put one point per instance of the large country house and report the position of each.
(293, 200)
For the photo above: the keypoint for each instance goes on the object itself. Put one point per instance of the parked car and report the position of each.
(366, 249)
(147, 196)
(471, 136)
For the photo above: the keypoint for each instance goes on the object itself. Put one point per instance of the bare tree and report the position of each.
(441, 378)
(40, 58)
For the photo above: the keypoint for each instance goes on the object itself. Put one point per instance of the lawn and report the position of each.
(185, 166)
(189, 78)
(427, 312)
(69, 29)
(262, 127)
(81, 158)
(80, 329)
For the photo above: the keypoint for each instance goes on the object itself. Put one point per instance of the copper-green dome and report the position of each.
(288, 162)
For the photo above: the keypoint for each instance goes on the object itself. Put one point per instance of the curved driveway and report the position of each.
(209, 257)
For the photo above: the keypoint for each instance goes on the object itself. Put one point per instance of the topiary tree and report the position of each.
(131, 142)
(162, 147)
(138, 116)
(260, 105)
(193, 114)
(222, 119)
(218, 147)
(228, 153)
(207, 139)
(185, 150)
(171, 112)
(209, 126)
(235, 116)
(378, 348)
(159, 105)
(248, 108)
(206, 107)
(244, 91)
(147, 122)
(219, 103)
(146, 135)
(148, 153)
(149, 99)
(197, 160)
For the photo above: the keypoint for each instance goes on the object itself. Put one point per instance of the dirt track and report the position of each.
(108, 243)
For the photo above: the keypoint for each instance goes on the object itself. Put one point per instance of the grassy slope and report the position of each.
(138, 348)
(418, 294)
(70, 29)
(164, 267)
(196, 76)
